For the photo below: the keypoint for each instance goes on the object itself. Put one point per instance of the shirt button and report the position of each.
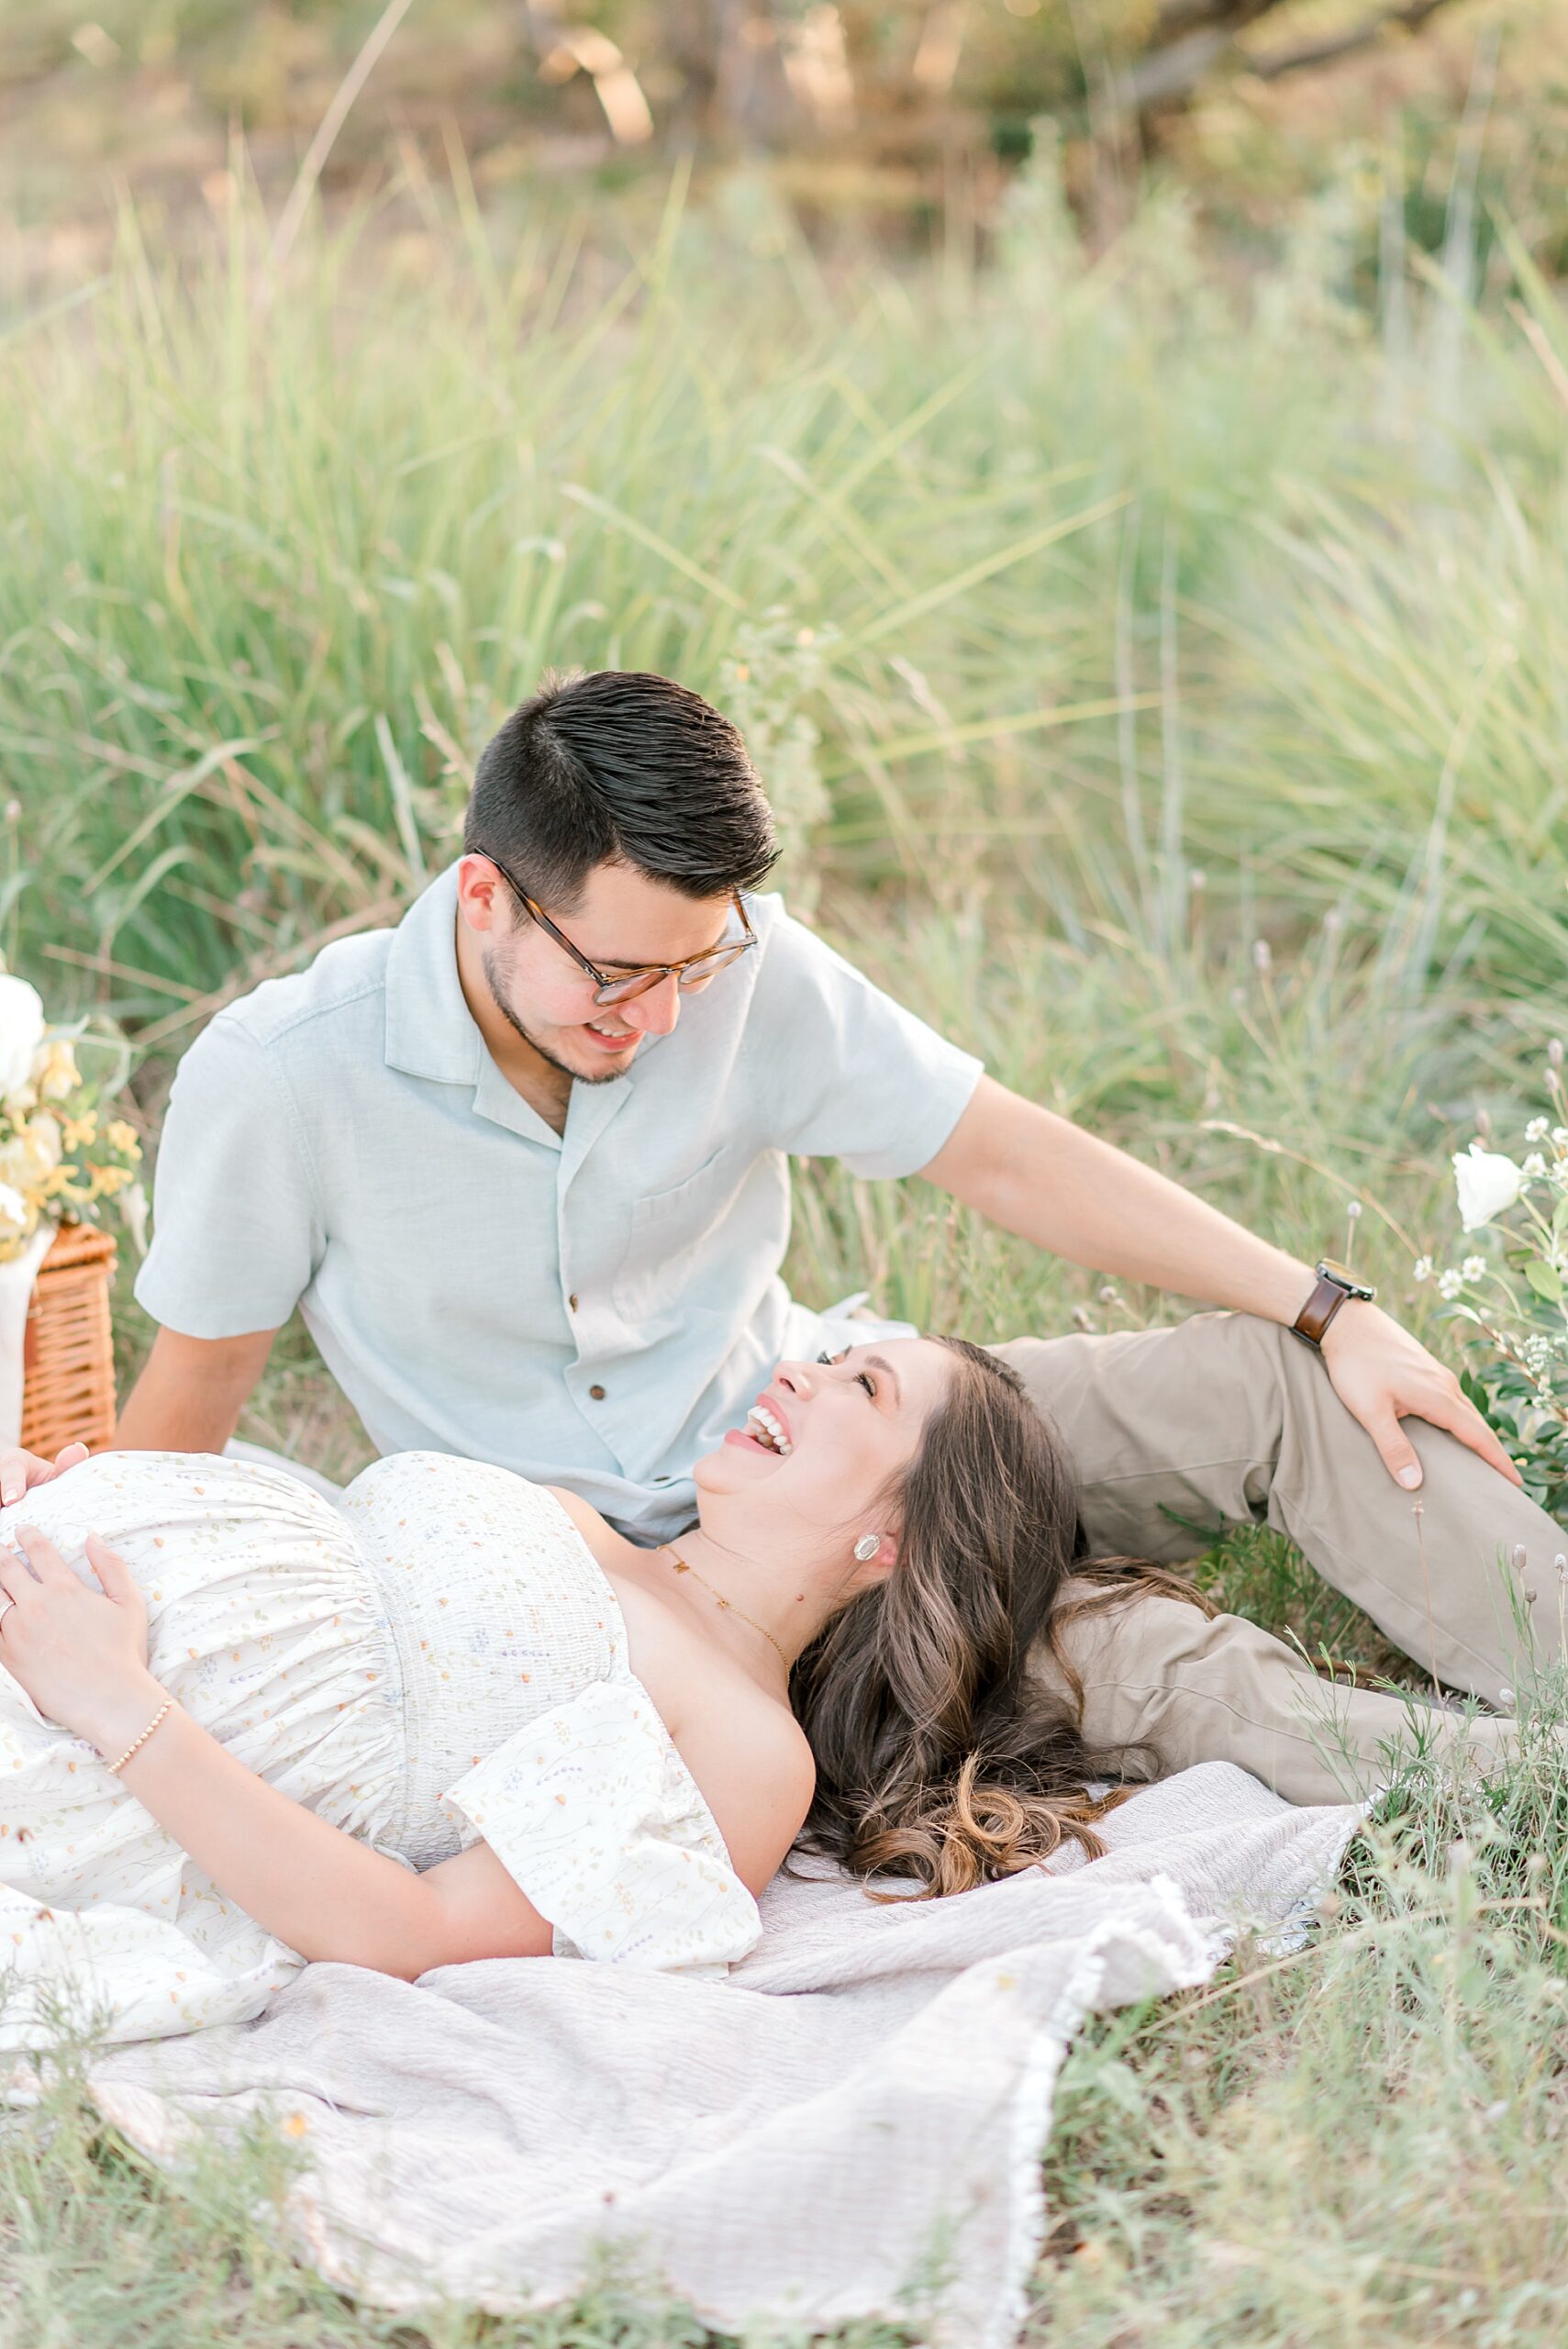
(571, 1301)
(598, 1394)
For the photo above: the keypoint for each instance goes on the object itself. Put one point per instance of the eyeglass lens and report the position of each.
(696, 974)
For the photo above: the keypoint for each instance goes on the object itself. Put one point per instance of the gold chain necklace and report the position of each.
(728, 1604)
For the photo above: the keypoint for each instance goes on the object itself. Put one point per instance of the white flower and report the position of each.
(1534, 1167)
(1487, 1183)
(21, 1031)
(13, 1212)
(1449, 1284)
(133, 1215)
(1559, 1135)
(1538, 1130)
(1421, 1270)
(1474, 1268)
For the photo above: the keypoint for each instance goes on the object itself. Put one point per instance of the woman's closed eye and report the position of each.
(863, 1377)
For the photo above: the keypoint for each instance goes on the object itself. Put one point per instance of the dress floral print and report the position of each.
(435, 1660)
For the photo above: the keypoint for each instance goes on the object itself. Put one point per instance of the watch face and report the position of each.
(1343, 1276)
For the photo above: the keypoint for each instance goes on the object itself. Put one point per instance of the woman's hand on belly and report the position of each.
(81, 1654)
(23, 1472)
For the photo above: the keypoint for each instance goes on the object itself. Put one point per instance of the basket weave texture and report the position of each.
(68, 1392)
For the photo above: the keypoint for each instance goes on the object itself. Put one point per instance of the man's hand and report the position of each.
(1383, 1374)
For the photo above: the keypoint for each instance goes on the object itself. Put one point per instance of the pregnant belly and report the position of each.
(262, 1620)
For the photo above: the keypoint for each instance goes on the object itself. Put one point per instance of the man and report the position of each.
(522, 1162)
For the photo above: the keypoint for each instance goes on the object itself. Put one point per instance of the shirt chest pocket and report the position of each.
(673, 1232)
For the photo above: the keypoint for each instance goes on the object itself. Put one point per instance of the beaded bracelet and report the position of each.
(137, 1743)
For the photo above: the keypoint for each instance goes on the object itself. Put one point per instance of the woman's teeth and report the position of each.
(768, 1430)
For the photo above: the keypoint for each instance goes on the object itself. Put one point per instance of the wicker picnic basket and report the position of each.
(68, 1391)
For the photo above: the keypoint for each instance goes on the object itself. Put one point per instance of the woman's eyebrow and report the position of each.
(878, 1362)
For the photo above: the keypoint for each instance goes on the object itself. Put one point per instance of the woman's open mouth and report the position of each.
(765, 1427)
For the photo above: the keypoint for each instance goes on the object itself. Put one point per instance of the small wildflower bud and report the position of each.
(1106, 1294)
(1529, 1594)
(1081, 1317)
(1517, 1557)
(1554, 1052)
(1198, 879)
(1333, 921)
(13, 811)
(1504, 1693)
(1560, 1563)
(1262, 956)
(1354, 1210)
(1536, 1865)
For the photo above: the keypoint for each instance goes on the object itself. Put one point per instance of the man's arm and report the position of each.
(192, 1391)
(1046, 1179)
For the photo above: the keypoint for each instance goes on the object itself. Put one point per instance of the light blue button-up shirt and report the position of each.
(592, 1308)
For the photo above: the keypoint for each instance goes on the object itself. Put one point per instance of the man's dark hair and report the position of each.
(619, 767)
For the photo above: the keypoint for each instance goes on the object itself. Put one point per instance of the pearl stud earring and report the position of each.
(867, 1547)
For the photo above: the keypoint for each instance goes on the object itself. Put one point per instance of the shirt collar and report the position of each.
(429, 1029)
(432, 1032)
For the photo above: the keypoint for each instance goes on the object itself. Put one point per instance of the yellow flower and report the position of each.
(55, 1072)
(108, 1180)
(77, 1133)
(122, 1137)
(32, 1154)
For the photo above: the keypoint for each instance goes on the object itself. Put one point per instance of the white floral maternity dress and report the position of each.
(435, 1659)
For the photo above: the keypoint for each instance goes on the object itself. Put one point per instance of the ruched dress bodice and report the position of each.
(437, 1658)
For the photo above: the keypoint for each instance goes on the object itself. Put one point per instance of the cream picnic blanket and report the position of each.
(849, 2126)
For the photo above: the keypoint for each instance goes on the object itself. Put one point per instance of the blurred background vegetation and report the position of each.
(905, 118)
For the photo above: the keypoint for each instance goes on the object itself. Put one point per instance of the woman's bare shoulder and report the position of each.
(583, 1515)
(607, 1545)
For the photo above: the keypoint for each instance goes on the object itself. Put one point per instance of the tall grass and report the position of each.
(1100, 565)
(1160, 675)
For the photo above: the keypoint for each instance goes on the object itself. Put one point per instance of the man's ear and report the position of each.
(480, 894)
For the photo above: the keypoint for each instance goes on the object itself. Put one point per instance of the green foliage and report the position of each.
(1509, 1302)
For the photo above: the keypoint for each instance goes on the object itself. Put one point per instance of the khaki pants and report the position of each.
(1175, 1433)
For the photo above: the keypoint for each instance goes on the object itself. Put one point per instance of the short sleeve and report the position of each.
(852, 1074)
(237, 1228)
(593, 1813)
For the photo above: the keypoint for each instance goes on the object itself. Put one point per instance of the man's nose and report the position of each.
(655, 1013)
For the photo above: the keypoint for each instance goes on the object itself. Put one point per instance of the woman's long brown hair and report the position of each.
(938, 1756)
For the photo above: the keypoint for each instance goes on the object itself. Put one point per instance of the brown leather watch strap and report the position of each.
(1319, 1310)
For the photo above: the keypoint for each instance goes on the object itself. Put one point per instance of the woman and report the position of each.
(458, 1716)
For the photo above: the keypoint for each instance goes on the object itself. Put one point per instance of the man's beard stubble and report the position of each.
(490, 962)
